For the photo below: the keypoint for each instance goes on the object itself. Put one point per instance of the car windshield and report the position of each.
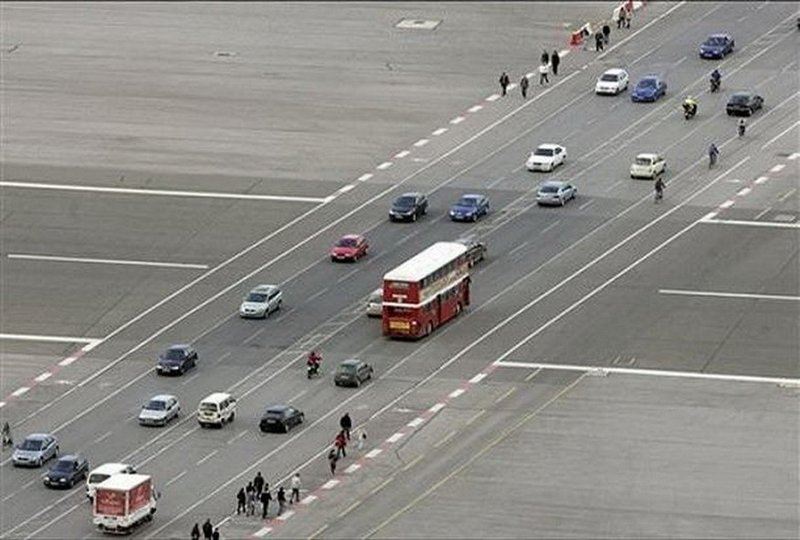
(544, 152)
(549, 189)
(715, 40)
(467, 201)
(208, 407)
(647, 83)
(346, 242)
(64, 465)
(97, 478)
(643, 161)
(258, 298)
(174, 354)
(740, 98)
(156, 405)
(278, 413)
(609, 77)
(349, 369)
(405, 202)
(32, 444)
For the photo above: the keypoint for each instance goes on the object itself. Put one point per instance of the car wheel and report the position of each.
(358, 382)
(71, 483)
(233, 415)
(39, 462)
(750, 111)
(414, 216)
(286, 428)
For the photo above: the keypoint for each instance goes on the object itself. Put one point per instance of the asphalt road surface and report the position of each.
(626, 369)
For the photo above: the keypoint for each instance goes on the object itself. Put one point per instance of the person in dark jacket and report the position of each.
(523, 86)
(333, 457)
(196, 532)
(258, 484)
(598, 41)
(266, 497)
(504, 82)
(606, 32)
(208, 529)
(215, 534)
(346, 424)
(555, 59)
(544, 58)
(241, 502)
(281, 500)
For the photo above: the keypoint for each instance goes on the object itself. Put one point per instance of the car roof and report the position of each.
(549, 146)
(351, 236)
(278, 408)
(426, 261)
(650, 76)
(263, 288)
(180, 346)
(39, 436)
(410, 194)
(614, 71)
(109, 468)
(748, 94)
(646, 155)
(351, 362)
(71, 457)
(719, 35)
(555, 183)
(162, 397)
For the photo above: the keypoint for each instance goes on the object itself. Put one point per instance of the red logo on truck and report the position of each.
(109, 502)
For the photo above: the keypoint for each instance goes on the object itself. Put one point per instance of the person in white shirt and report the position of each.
(295, 485)
(544, 69)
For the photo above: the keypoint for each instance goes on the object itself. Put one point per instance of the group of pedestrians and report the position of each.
(342, 439)
(257, 492)
(209, 531)
(547, 63)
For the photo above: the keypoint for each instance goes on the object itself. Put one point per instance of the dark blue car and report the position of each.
(649, 88)
(716, 46)
(470, 207)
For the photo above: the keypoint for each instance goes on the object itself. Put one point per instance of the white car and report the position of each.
(612, 82)
(546, 158)
(261, 301)
(159, 410)
(648, 166)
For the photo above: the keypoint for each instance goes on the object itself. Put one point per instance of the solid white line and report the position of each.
(161, 192)
(777, 168)
(52, 339)
(475, 108)
(437, 407)
(651, 372)
(477, 378)
(104, 261)
(727, 204)
(19, 391)
(455, 393)
(744, 191)
(43, 377)
(330, 484)
(394, 438)
(439, 131)
(352, 468)
(385, 165)
(416, 422)
(364, 177)
(457, 120)
(761, 179)
(730, 295)
(402, 154)
(373, 453)
(781, 134)
(752, 223)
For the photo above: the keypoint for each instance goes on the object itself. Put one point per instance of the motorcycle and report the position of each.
(312, 371)
(715, 84)
(689, 110)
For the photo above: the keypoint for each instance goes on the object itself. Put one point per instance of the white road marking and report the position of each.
(317, 295)
(475, 108)
(455, 393)
(189, 380)
(297, 396)
(385, 165)
(679, 62)
(347, 275)
(160, 192)
(263, 531)
(2, 404)
(787, 194)
(416, 422)
(518, 248)
(493, 97)
(103, 437)
(254, 335)
(744, 191)
(586, 204)
(421, 142)
(345, 189)
(562, 53)
(395, 437)
(549, 227)
(52, 339)
(457, 120)
(651, 372)
(495, 182)
(237, 437)
(308, 499)
(793, 156)
(55, 258)
(365, 177)
(781, 134)
(777, 168)
(477, 378)
(439, 131)
(401, 155)
(330, 484)
(761, 179)
(43, 377)
(209, 456)
(285, 516)
(727, 204)
(372, 454)
(20, 391)
(730, 295)
(518, 168)
(175, 479)
(67, 361)
(352, 468)
(752, 223)
(762, 213)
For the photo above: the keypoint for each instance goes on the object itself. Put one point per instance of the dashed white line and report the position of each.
(793, 156)
(19, 391)
(457, 120)
(308, 499)
(421, 142)
(493, 97)
(437, 407)
(744, 191)
(364, 177)
(763, 212)
(263, 531)
(475, 108)
(727, 204)
(761, 179)
(374, 453)
(102, 437)
(439, 131)
(352, 468)
(284, 517)
(345, 189)
(455, 393)
(175, 478)
(586, 204)
(777, 168)
(477, 378)
(518, 248)
(43, 377)
(209, 456)
(788, 194)
(394, 438)
(385, 165)
(54, 258)
(67, 361)
(237, 437)
(416, 422)
(330, 484)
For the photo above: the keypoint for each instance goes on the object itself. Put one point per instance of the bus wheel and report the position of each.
(428, 329)
(458, 308)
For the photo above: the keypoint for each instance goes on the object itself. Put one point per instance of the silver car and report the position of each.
(159, 410)
(555, 192)
(35, 450)
(261, 301)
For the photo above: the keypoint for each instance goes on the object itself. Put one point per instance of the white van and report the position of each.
(104, 472)
(216, 410)
(375, 303)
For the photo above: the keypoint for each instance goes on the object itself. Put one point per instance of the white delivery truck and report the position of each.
(123, 502)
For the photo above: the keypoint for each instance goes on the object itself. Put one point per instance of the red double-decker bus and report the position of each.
(426, 291)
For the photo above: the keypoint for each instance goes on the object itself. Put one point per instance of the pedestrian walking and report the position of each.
(281, 500)
(504, 81)
(544, 58)
(543, 70)
(215, 534)
(258, 484)
(295, 485)
(621, 16)
(196, 531)
(251, 503)
(333, 457)
(241, 501)
(208, 529)
(555, 60)
(523, 87)
(341, 443)
(362, 433)
(628, 11)
(346, 424)
(266, 497)
(606, 32)
(598, 41)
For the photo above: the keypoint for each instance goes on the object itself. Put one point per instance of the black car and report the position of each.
(476, 248)
(281, 418)
(176, 360)
(744, 103)
(68, 471)
(352, 372)
(408, 207)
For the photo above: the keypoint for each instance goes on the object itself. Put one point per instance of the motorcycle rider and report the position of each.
(716, 80)
(742, 126)
(313, 362)
(689, 106)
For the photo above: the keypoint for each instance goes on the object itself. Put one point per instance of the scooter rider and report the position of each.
(313, 362)
(689, 107)
(716, 80)
(742, 126)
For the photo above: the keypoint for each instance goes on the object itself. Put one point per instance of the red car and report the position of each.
(350, 247)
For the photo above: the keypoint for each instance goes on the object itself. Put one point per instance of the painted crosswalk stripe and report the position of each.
(457, 392)
(385, 165)
(394, 438)
(493, 97)
(330, 484)
(478, 378)
(727, 204)
(43, 377)
(364, 177)
(416, 422)
(440, 131)
(287, 515)
(421, 142)
(457, 120)
(67, 361)
(436, 408)
(761, 179)
(19, 391)
(777, 168)
(309, 499)
(263, 531)
(352, 468)
(374, 453)
(475, 108)
(744, 191)
(402, 154)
